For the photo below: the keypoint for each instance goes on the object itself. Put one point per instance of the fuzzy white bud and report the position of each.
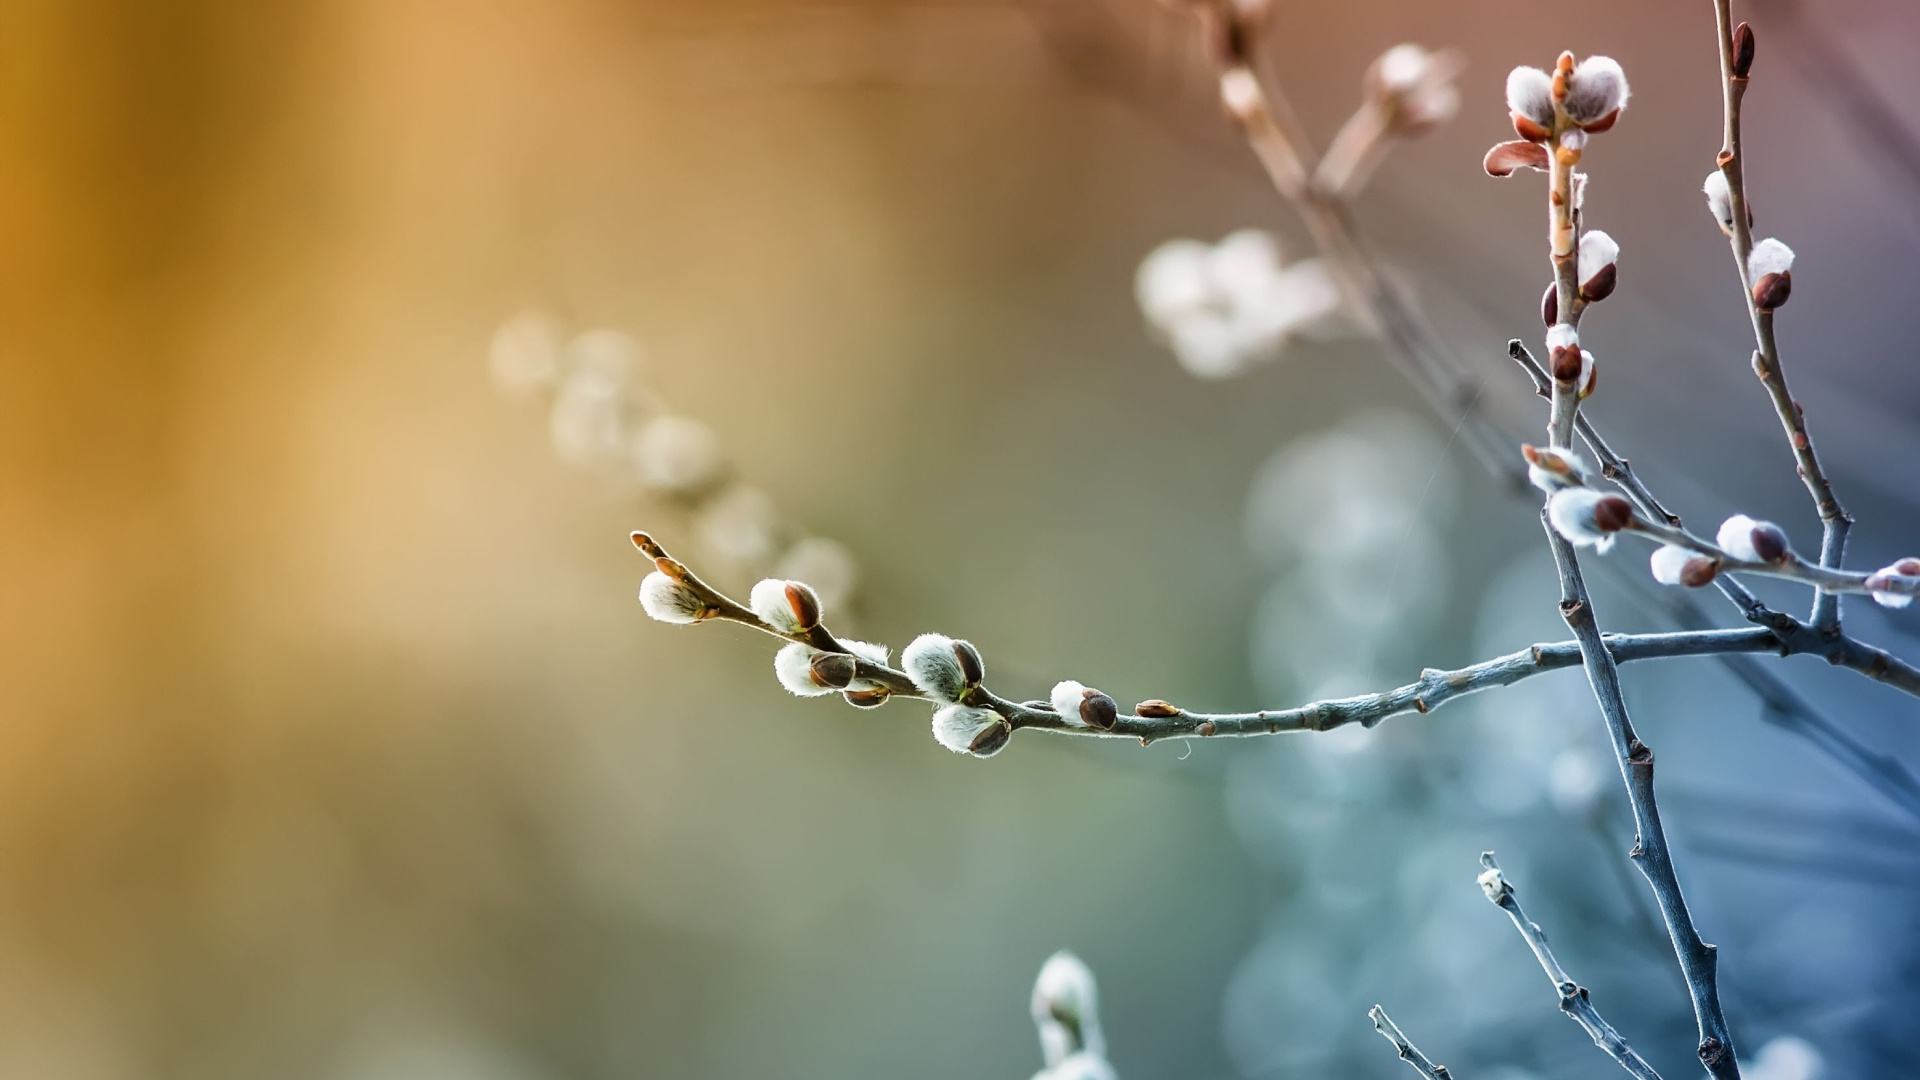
(1240, 92)
(1562, 336)
(1083, 706)
(1669, 561)
(793, 666)
(670, 601)
(1719, 199)
(1550, 470)
(1588, 518)
(1596, 88)
(1172, 282)
(932, 665)
(787, 606)
(1065, 1009)
(964, 729)
(1493, 883)
(1770, 256)
(1597, 265)
(1747, 540)
(1530, 95)
(1888, 577)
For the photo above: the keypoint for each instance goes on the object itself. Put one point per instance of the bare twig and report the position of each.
(1650, 852)
(1574, 1000)
(1834, 520)
(1408, 1052)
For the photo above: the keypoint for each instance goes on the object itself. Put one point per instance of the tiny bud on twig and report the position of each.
(1596, 91)
(1588, 518)
(933, 663)
(1894, 585)
(1742, 51)
(1598, 266)
(795, 666)
(670, 600)
(788, 606)
(1550, 469)
(1082, 704)
(1156, 709)
(1675, 565)
(1747, 540)
(964, 729)
(1770, 273)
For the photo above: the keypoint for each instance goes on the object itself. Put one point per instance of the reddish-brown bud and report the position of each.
(1099, 711)
(1550, 304)
(832, 670)
(1698, 571)
(805, 605)
(972, 667)
(1612, 513)
(1525, 127)
(1772, 290)
(1503, 158)
(1156, 708)
(1769, 542)
(868, 699)
(1600, 285)
(1742, 51)
(991, 739)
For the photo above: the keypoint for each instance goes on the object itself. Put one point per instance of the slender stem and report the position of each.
(1564, 244)
(1650, 852)
(1834, 521)
(1574, 1000)
(1408, 1052)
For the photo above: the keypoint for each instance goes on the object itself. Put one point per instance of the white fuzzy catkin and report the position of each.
(1769, 256)
(1066, 698)
(1065, 989)
(870, 652)
(957, 726)
(1889, 598)
(793, 666)
(1596, 87)
(670, 601)
(1530, 93)
(1550, 480)
(933, 667)
(1493, 883)
(1571, 511)
(1562, 336)
(1668, 562)
(1597, 251)
(769, 601)
(1736, 538)
(1719, 199)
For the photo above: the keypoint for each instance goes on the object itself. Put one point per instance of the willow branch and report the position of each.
(1650, 853)
(1834, 520)
(1155, 719)
(1574, 1000)
(1408, 1052)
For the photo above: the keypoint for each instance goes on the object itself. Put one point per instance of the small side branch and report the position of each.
(1573, 997)
(1408, 1052)
(1834, 520)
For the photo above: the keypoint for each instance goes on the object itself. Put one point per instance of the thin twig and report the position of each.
(1834, 520)
(1408, 1052)
(1574, 1000)
(1650, 852)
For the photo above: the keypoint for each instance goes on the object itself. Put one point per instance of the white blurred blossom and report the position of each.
(524, 354)
(1785, 1057)
(677, 454)
(1575, 780)
(739, 525)
(1227, 306)
(587, 421)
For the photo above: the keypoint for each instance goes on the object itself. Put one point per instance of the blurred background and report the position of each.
(334, 744)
